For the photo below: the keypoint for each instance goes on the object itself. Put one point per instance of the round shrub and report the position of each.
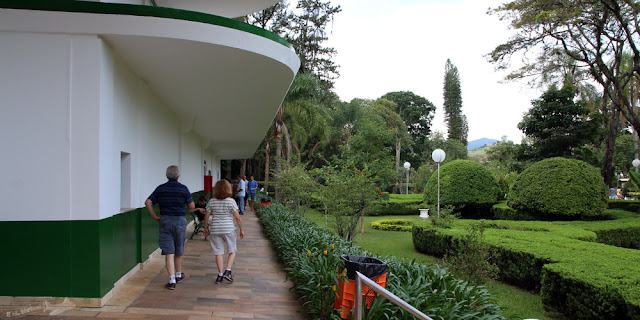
(464, 184)
(560, 189)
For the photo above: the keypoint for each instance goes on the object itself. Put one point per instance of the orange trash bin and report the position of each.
(375, 269)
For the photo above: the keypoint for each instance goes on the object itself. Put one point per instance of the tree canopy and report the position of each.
(596, 34)
(557, 124)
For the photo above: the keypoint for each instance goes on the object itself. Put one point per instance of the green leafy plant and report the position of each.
(472, 259)
(445, 218)
(316, 275)
(348, 195)
(296, 187)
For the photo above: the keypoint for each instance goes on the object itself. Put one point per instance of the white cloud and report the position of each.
(388, 46)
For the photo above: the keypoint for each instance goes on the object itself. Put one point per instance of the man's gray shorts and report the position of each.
(218, 241)
(173, 233)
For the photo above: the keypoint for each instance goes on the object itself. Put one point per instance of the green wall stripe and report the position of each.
(80, 259)
(140, 10)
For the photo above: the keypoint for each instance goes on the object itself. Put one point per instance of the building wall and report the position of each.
(74, 119)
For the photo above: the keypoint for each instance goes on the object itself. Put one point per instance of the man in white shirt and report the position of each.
(241, 189)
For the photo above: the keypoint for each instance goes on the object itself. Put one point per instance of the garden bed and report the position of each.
(574, 273)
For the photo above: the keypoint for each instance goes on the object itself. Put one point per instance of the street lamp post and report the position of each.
(636, 163)
(407, 165)
(438, 156)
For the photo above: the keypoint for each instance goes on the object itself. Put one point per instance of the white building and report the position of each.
(96, 100)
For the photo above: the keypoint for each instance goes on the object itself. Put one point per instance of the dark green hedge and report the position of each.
(627, 205)
(396, 205)
(576, 275)
(464, 184)
(400, 204)
(560, 189)
(501, 211)
(625, 238)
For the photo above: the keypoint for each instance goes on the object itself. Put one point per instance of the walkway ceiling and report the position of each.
(225, 84)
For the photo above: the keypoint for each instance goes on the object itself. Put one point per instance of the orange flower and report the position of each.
(308, 252)
(325, 252)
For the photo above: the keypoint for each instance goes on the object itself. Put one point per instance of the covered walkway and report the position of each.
(258, 292)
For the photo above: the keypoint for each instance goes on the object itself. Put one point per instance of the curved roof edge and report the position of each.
(225, 8)
(140, 10)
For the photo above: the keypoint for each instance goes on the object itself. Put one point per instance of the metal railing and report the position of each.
(360, 279)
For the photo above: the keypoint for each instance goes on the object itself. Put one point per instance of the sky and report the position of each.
(403, 45)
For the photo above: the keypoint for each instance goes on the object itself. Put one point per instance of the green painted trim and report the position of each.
(140, 10)
(79, 259)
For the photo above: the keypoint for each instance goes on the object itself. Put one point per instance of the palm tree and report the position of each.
(301, 94)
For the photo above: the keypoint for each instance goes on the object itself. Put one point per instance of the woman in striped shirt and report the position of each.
(221, 230)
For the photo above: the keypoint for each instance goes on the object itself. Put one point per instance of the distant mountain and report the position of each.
(479, 143)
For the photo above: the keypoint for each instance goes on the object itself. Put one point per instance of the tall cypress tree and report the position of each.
(456, 121)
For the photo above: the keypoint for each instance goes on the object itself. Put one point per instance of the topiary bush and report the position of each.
(560, 189)
(465, 185)
(392, 225)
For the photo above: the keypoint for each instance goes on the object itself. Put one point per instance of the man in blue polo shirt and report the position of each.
(171, 197)
(252, 188)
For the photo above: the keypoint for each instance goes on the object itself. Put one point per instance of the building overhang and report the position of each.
(225, 79)
(224, 8)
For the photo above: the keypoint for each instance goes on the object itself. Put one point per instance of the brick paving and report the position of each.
(259, 291)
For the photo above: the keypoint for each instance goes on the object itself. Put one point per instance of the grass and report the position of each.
(516, 303)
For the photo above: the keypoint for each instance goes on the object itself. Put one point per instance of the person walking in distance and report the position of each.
(171, 197)
(246, 190)
(223, 210)
(242, 188)
(252, 187)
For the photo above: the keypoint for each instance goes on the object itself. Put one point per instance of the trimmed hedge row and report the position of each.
(392, 225)
(626, 205)
(397, 205)
(309, 255)
(576, 275)
(400, 204)
(502, 211)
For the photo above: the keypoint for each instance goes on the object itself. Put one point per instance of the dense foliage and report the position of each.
(464, 184)
(417, 113)
(311, 258)
(557, 125)
(560, 189)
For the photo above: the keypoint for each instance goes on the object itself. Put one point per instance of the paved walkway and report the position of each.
(258, 292)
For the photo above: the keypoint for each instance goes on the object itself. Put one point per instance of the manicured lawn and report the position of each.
(516, 303)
